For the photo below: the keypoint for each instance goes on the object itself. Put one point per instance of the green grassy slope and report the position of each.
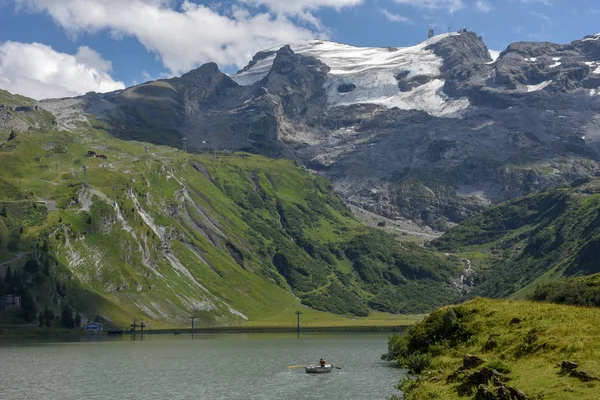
(514, 350)
(519, 244)
(579, 291)
(156, 234)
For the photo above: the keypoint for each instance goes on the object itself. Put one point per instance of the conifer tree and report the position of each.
(48, 316)
(28, 308)
(8, 280)
(66, 317)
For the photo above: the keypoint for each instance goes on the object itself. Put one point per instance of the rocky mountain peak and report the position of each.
(590, 46)
(206, 76)
(463, 49)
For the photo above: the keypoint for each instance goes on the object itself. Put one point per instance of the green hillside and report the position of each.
(157, 234)
(519, 244)
(492, 349)
(579, 291)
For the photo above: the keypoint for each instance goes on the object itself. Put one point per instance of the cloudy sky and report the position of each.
(57, 48)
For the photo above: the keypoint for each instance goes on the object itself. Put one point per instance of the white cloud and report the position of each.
(393, 17)
(483, 6)
(185, 34)
(302, 8)
(36, 70)
(450, 5)
(544, 2)
(541, 16)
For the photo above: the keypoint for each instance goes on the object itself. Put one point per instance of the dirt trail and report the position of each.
(18, 257)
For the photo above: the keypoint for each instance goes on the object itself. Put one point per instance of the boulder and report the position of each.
(568, 365)
(471, 361)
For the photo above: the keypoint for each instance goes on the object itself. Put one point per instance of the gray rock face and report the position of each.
(525, 122)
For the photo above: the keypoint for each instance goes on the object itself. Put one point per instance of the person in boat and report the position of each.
(322, 363)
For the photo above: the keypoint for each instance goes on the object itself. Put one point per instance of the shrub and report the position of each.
(415, 363)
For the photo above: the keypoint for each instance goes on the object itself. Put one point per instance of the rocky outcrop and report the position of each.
(571, 369)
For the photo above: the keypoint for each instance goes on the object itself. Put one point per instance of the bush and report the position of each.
(442, 329)
(415, 363)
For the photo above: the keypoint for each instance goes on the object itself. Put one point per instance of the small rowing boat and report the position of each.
(317, 369)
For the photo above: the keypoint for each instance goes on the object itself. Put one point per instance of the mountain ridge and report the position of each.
(469, 131)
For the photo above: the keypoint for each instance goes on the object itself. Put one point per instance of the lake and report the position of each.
(209, 366)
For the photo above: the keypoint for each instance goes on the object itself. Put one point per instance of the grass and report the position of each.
(237, 212)
(527, 339)
(317, 319)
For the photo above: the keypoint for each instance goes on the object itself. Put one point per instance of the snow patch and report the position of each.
(593, 64)
(594, 37)
(495, 54)
(556, 64)
(540, 86)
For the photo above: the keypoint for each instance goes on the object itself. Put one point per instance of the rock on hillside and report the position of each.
(434, 133)
(18, 113)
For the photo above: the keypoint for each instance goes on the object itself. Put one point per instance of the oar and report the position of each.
(297, 366)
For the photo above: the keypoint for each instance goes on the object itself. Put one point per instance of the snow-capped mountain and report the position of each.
(369, 75)
(433, 133)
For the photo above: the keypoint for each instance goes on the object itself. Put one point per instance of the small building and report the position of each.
(9, 302)
(91, 153)
(94, 327)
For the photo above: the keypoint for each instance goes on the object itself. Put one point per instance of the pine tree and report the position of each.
(48, 316)
(46, 267)
(32, 267)
(28, 308)
(3, 212)
(8, 280)
(77, 320)
(66, 317)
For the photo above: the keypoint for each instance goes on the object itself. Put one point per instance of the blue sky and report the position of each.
(54, 48)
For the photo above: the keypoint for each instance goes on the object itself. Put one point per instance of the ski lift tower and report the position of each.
(86, 180)
(184, 143)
